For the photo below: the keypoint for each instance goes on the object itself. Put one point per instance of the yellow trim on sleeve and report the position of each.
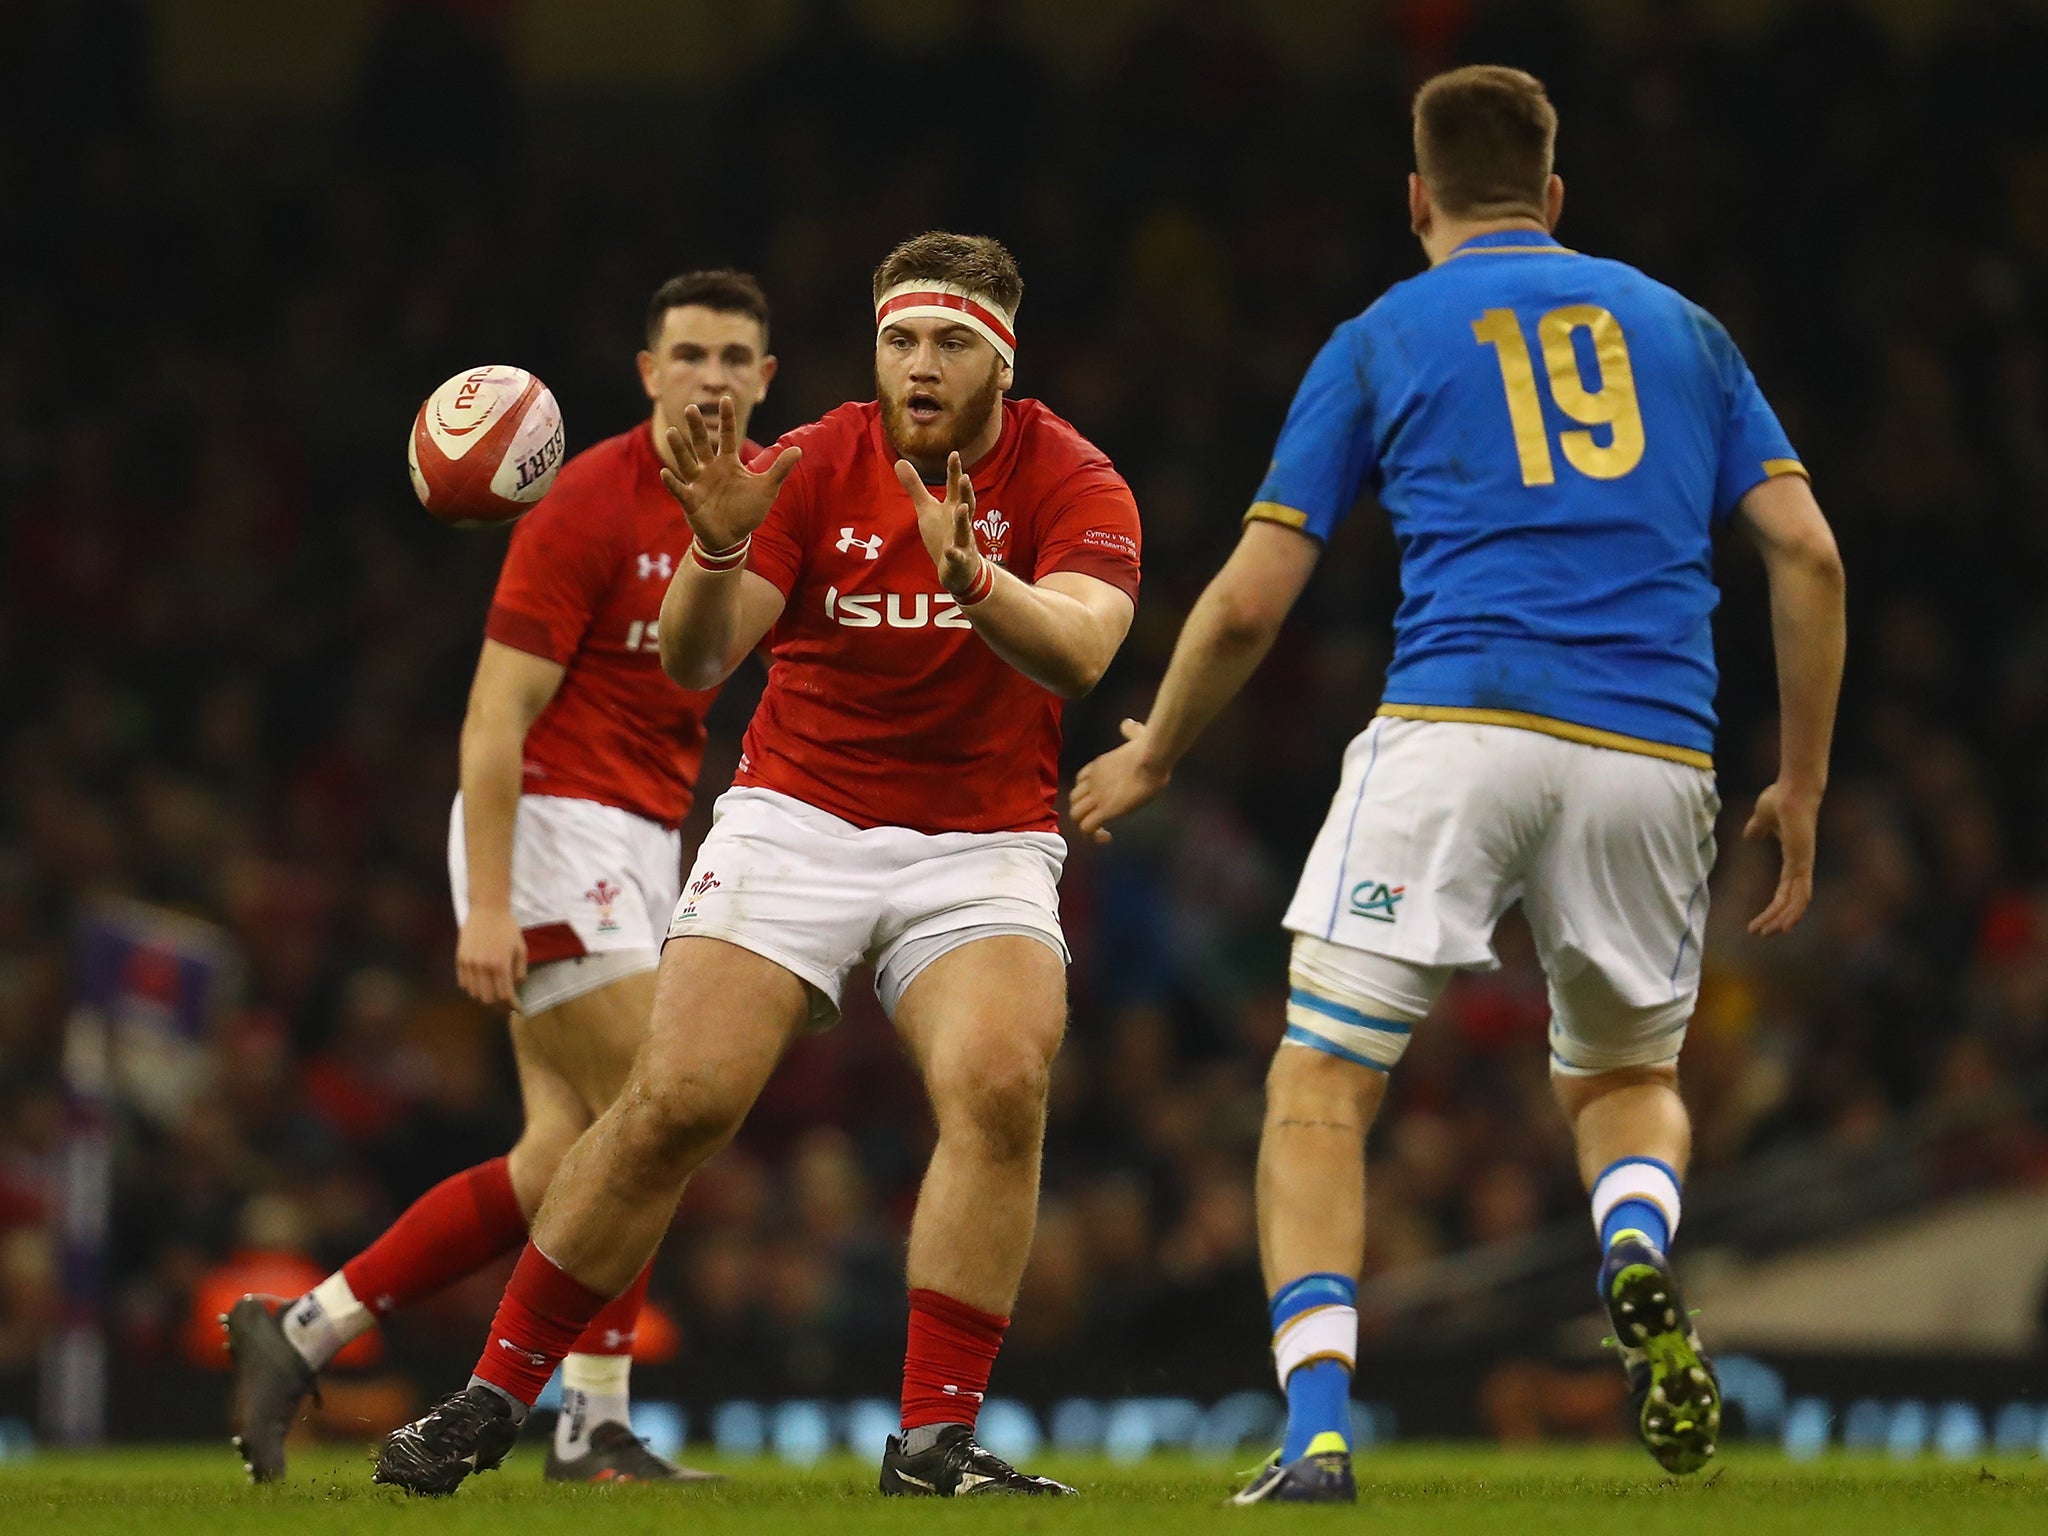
(1511, 250)
(1774, 467)
(1274, 512)
(1543, 725)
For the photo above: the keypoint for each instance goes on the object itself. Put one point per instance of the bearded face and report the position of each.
(939, 385)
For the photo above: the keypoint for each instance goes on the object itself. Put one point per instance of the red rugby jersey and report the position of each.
(582, 585)
(884, 707)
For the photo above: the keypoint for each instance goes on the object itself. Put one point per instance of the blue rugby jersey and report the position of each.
(1555, 437)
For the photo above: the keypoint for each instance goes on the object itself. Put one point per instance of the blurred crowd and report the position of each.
(233, 651)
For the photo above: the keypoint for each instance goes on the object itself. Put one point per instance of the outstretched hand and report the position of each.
(1791, 816)
(723, 499)
(1115, 784)
(947, 526)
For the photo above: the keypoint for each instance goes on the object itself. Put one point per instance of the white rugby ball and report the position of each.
(485, 446)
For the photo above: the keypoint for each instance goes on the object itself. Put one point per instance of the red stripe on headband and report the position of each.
(986, 316)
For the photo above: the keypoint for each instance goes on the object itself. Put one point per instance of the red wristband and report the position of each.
(721, 559)
(983, 584)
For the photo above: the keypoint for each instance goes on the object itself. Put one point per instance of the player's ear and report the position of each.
(1419, 210)
(1553, 200)
(768, 367)
(1006, 376)
(645, 362)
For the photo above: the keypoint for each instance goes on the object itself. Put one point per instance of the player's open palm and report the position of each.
(490, 956)
(946, 526)
(722, 498)
(1115, 784)
(1792, 817)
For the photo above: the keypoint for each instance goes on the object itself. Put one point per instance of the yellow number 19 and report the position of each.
(1613, 405)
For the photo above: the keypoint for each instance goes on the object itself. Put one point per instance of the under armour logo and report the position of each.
(870, 546)
(656, 565)
(525, 1354)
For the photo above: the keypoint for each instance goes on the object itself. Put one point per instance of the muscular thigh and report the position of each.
(991, 1009)
(721, 1019)
(589, 1041)
(556, 1109)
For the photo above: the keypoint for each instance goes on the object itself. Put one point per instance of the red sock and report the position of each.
(454, 1229)
(544, 1309)
(945, 1368)
(611, 1331)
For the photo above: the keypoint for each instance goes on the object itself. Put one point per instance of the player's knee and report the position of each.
(1355, 1007)
(1602, 1040)
(674, 1122)
(1306, 1081)
(995, 1093)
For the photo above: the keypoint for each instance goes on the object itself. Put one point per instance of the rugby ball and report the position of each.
(485, 446)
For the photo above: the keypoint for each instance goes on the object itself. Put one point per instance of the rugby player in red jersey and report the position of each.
(579, 761)
(935, 570)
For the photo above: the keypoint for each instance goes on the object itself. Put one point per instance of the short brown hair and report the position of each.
(723, 289)
(977, 263)
(1485, 138)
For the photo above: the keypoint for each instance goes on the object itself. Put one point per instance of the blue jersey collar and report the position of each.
(1508, 240)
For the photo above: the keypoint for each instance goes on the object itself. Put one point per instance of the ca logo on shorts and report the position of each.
(1377, 900)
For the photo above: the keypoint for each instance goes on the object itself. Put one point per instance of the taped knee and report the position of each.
(1354, 1005)
(1593, 1029)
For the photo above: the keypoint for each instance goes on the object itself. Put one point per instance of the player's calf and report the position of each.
(1633, 1136)
(1349, 1017)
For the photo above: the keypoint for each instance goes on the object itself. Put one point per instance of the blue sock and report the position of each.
(1636, 1216)
(1319, 1389)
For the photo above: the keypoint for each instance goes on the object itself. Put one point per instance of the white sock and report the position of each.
(593, 1393)
(324, 1320)
(1637, 1194)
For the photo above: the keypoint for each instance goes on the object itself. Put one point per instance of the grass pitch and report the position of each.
(1424, 1491)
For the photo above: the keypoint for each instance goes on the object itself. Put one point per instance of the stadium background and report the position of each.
(243, 240)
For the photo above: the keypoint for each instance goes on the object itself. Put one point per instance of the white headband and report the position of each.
(922, 299)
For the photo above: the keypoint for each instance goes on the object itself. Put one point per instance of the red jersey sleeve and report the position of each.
(777, 553)
(1094, 531)
(559, 565)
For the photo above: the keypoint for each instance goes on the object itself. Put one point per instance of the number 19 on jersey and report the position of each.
(1613, 405)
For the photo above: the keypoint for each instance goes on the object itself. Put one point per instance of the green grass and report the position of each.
(1426, 1491)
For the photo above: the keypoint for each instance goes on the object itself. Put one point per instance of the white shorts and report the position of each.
(1438, 827)
(592, 888)
(818, 895)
